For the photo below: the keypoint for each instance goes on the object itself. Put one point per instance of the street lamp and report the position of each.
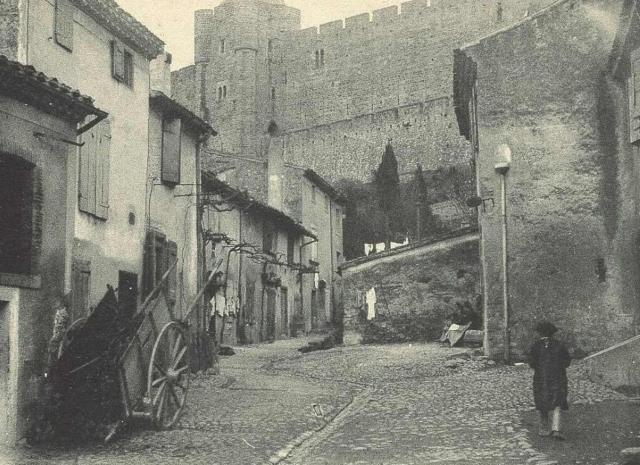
(503, 155)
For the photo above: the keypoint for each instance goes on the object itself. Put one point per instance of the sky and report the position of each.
(172, 20)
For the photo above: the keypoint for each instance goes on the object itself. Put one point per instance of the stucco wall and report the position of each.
(240, 271)
(114, 244)
(27, 318)
(173, 209)
(420, 280)
(540, 90)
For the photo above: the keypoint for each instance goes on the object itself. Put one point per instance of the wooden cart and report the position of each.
(154, 369)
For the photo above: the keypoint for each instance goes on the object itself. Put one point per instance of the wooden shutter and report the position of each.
(171, 255)
(64, 24)
(103, 163)
(81, 283)
(117, 60)
(87, 181)
(633, 90)
(171, 135)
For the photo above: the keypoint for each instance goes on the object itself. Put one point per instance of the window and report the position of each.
(80, 289)
(269, 238)
(64, 24)
(127, 293)
(94, 170)
(17, 182)
(291, 244)
(223, 46)
(159, 255)
(633, 90)
(273, 93)
(319, 58)
(122, 63)
(171, 138)
(222, 92)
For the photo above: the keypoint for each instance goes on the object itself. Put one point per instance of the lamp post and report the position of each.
(503, 153)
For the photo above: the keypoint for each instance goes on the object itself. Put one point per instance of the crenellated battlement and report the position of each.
(346, 85)
(413, 14)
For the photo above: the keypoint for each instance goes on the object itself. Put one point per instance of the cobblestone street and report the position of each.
(400, 404)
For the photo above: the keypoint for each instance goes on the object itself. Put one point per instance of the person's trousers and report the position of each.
(556, 420)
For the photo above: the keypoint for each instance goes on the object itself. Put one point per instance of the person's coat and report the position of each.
(550, 359)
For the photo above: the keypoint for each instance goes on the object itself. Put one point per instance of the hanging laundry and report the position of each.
(371, 303)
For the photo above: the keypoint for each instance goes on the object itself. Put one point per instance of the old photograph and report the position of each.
(320, 232)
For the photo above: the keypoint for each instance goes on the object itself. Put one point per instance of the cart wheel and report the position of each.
(168, 379)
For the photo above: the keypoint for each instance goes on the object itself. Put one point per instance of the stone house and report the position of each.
(98, 48)
(41, 119)
(543, 88)
(257, 250)
(176, 136)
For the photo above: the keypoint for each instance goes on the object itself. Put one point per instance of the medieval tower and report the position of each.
(338, 92)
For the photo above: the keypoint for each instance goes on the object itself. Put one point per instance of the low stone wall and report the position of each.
(417, 288)
(618, 366)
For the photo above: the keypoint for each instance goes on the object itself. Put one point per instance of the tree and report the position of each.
(387, 182)
(425, 221)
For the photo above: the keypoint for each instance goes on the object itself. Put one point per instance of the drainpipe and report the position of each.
(202, 254)
(331, 262)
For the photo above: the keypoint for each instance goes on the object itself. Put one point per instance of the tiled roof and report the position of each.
(26, 84)
(172, 108)
(246, 203)
(110, 15)
(325, 187)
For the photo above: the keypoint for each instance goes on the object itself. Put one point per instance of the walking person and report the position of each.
(549, 358)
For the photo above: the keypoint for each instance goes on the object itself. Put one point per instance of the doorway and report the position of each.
(271, 315)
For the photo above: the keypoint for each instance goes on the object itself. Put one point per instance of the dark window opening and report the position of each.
(16, 215)
(223, 46)
(273, 93)
(291, 244)
(269, 238)
(601, 270)
(127, 293)
(461, 273)
(80, 289)
(499, 11)
(160, 255)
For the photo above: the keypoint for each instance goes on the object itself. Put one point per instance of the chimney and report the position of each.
(160, 70)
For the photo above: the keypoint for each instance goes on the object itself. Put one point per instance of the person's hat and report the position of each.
(546, 329)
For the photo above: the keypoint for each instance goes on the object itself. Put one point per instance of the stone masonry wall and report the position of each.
(540, 89)
(424, 280)
(384, 75)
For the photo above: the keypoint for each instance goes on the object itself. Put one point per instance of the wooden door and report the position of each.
(271, 315)
(284, 311)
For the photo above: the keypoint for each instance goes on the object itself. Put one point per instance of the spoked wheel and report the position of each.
(168, 380)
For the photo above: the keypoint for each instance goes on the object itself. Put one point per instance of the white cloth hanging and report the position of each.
(371, 303)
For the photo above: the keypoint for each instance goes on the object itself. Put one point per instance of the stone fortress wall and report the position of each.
(340, 91)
